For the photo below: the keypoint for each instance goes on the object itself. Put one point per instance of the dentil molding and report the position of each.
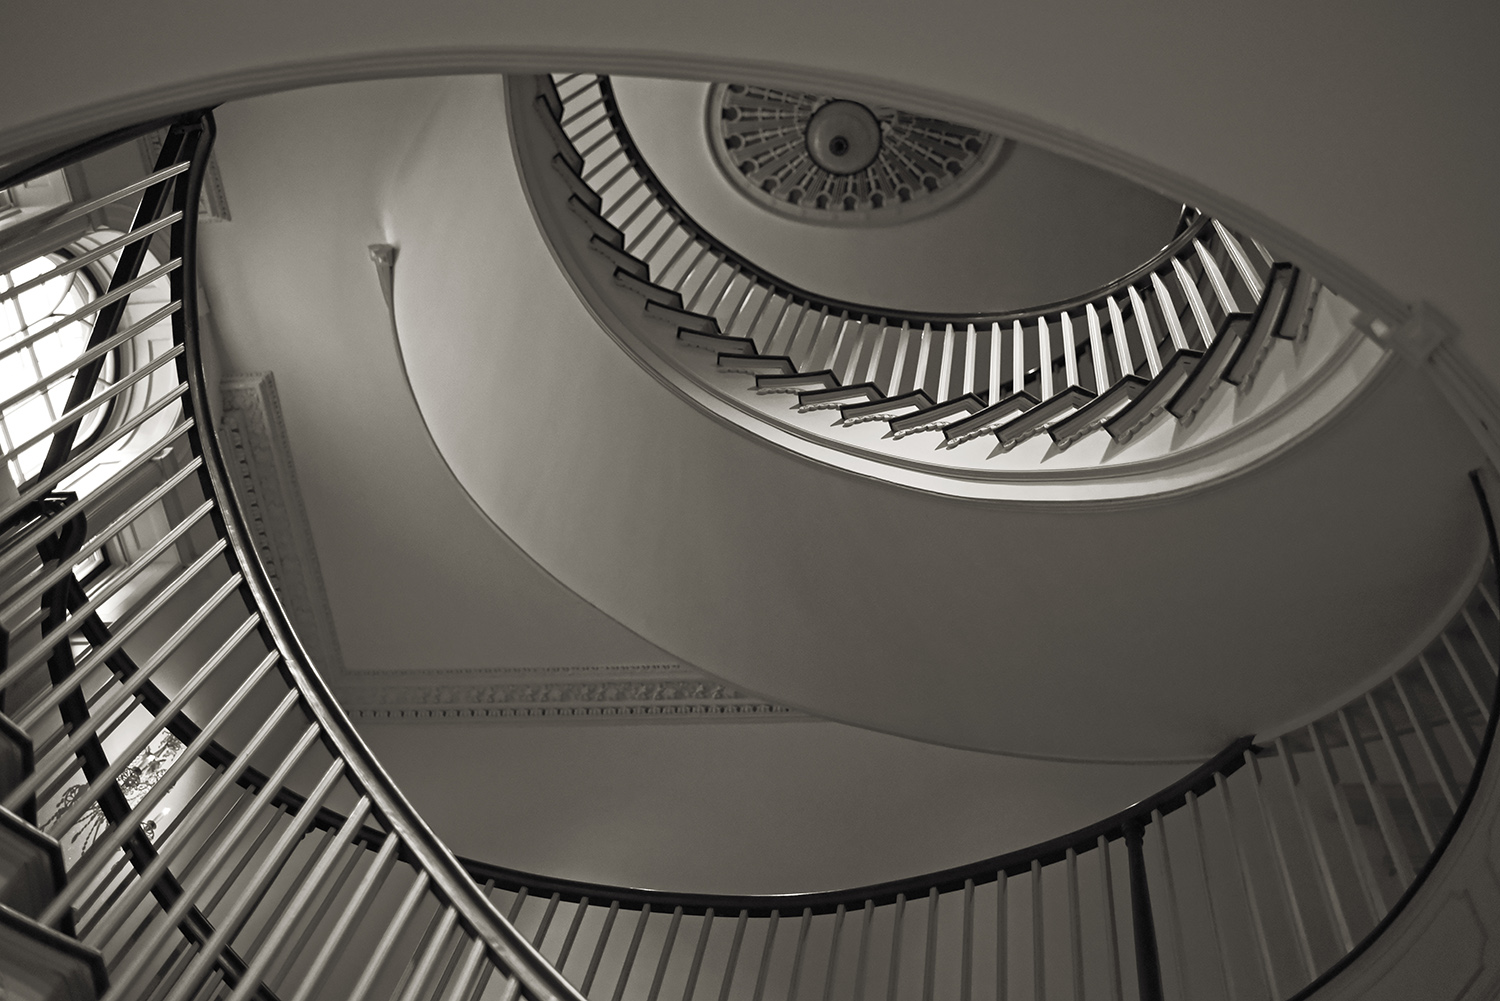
(258, 453)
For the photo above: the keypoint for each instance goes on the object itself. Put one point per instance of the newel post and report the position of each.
(1147, 959)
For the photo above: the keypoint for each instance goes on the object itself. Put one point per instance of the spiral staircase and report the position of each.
(292, 866)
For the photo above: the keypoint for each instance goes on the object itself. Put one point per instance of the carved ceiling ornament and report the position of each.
(830, 160)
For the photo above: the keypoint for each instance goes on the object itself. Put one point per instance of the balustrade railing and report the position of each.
(206, 823)
(132, 607)
(1204, 313)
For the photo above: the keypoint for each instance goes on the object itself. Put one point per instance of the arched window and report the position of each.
(42, 335)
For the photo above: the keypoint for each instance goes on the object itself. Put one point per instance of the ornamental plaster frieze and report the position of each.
(633, 693)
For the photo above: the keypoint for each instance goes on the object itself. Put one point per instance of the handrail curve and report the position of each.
(1187, 338)
(1264, 871)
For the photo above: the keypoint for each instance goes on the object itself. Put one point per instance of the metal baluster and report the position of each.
(1143, 921)
(1044, 364)
(769, 347)
(1247, 883)
(1315, 842)
(1383, 818)
(750, 286)
(798, 954)
(895, 967)
(166, 852)
(568, 940)
(971, 350)
(760, 311)
(609, 924)
(945, 366)
(1373, 897)
(1173, 903)
(666, 235)
(923, 354)
(793, 330)
(877, 351)
(546, 922)
(1075, 925)
(1097, 350)
(1460, 732)
(1111, 930)
(666, 954)
(1428, 742)
(810, 351)
(1018, 358)
(1118, 332)
(898, 366)
(677, 285)
(996, 356)
(1169, 313)
(734, 955)
(1070, 350)
(929, 963)
(836, 347)
(1278, 852)
(1002, 938)
(1463, 672)
(1484, 647)
(623, 200)
(589, 175)
(1241, 262)
(1216, 279)
(1143, 328)
(248, 896)
(833, 953)
(630, 951)
(966, 969)
(708, 277)
(427, 960)
(765, 957)
(516, 903)
(692, 977)
(646, 230)
(1404, 772)
(393, 932)
(1038, 944)
(1225, 973)
(861, 962)
(1195, 302)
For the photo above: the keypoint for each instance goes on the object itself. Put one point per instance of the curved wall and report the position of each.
(1148, 631)
(1360, 140)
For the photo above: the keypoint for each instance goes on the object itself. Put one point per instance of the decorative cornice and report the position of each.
(259, 457)
(635, 693)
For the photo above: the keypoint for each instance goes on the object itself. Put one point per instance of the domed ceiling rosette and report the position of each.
(830, 160)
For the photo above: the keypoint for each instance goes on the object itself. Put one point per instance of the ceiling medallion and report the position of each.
(824, 159)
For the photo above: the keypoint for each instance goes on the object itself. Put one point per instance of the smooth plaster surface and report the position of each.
(1365, 137)
(1037, 228)
(1158, 631)
(417, 577)
(736, 807)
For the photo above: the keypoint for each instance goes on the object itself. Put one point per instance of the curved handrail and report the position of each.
(1189, 227)
(1204, 313)
(56, 525)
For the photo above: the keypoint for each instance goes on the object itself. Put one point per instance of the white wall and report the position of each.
(735, 807)
(1036, 229)
(417, 577)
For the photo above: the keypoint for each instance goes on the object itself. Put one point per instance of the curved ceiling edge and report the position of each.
(57, 131)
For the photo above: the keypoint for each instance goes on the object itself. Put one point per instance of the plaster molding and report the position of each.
(642, 693)
(259, 456)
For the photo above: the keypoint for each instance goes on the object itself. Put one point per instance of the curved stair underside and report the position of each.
(1269, 869)
(891, 608)
(1162, 362)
